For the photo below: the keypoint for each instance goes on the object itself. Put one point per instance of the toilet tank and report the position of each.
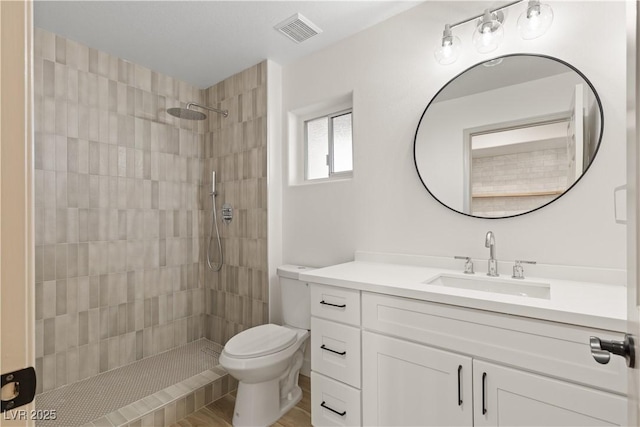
(294, 296)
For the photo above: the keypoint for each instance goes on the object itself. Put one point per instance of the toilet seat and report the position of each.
(260, 341)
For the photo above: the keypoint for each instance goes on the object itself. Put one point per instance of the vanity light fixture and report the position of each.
(449, 49)
(489, 32)
(535, 21)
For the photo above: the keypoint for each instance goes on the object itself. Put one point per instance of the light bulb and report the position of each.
(487, 37)
(448, 49)
(535, 21)
(488, 34)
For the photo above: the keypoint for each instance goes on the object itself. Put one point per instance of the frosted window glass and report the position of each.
(342, 147)
(317, 148)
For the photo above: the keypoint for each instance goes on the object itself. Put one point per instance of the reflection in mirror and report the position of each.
(508, 136)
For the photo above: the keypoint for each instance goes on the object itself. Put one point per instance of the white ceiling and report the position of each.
(203, 42)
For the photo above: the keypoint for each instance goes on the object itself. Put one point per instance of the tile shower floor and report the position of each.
(84, 401)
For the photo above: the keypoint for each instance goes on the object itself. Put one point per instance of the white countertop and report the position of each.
(595, 305)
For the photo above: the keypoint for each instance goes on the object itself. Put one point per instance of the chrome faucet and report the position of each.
(468, 264)
(490, 242)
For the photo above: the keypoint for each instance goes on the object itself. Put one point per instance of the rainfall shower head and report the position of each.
(183, 113)
(189, 114)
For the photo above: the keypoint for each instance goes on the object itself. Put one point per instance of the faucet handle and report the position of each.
(468, 264)
(518, 270)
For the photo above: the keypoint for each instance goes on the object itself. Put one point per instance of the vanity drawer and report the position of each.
(335, 351)
(554, 349)
(337, 304)
(333, 403)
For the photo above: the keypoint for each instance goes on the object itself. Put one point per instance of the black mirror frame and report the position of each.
(595, 154)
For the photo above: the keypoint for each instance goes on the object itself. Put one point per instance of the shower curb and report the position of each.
(171, 404)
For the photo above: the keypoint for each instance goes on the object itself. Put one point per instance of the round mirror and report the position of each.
(508, 136)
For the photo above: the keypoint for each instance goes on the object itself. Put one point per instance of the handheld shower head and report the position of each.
(190, 114)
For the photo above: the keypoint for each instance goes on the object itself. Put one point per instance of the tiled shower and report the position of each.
(123, 211)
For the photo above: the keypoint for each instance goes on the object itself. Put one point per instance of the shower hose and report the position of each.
(214, 223)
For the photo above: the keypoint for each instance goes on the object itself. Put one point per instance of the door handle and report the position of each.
(601, 349)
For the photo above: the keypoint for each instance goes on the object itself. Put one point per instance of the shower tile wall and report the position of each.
(526, 172)
(236, 298)
(117, 211)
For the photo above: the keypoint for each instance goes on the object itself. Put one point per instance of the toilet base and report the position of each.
(260, 404)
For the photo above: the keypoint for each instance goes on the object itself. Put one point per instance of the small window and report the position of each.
(328, 146)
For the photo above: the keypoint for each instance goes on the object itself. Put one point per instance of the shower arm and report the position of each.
(225, 113)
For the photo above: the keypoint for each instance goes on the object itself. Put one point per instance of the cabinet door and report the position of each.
(509, 397)
(404, 383)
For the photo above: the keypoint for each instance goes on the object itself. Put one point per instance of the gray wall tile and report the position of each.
(122, 211)
(236, 148)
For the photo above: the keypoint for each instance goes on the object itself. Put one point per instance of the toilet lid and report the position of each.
(260, 341)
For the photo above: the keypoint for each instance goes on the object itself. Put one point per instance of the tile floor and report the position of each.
(95, 397)
(220, 412)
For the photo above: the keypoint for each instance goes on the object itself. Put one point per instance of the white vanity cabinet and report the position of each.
(405, 384)
(411, 378)
(385, 360)
(335, 356)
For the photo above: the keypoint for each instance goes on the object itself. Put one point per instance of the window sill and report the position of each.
(343, 178)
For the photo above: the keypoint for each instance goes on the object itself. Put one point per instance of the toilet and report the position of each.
(266, 359)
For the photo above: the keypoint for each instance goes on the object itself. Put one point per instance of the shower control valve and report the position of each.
(227, 213)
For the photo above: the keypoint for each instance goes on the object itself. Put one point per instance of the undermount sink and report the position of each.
(493, 284)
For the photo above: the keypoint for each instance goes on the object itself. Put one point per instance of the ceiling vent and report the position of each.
(298, 28)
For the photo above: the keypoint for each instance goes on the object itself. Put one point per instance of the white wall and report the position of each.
(392, 73)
